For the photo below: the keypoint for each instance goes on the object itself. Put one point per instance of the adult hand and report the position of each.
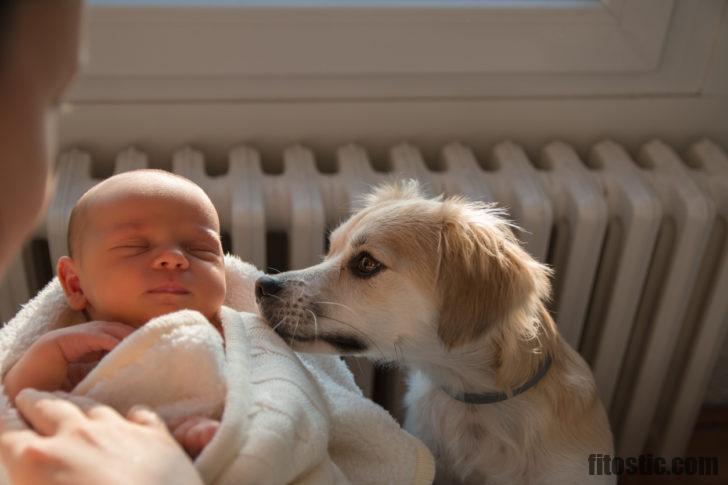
(77, 441)
(45, 365)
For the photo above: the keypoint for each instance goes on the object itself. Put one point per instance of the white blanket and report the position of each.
(285, 417)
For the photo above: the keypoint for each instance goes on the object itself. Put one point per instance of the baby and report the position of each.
(141, 244)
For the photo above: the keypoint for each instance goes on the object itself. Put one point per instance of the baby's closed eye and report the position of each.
(133, 247)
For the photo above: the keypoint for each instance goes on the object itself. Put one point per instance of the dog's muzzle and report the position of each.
(293, 317)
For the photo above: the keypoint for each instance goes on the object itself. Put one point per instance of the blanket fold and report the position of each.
(285, 417)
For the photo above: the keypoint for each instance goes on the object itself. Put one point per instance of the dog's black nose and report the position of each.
(267, 286)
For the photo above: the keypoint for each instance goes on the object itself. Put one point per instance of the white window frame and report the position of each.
(454, 49)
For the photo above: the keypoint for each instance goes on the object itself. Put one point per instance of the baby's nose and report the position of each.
(171, 259)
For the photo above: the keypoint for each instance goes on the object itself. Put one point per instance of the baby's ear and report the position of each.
(68, 276)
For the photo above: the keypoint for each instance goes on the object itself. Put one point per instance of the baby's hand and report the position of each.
(44, 366)
(194, 432)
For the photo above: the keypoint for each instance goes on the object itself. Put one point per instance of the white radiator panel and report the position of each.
(580, 222)
(706, 322)
(634, 218)
(517, 186)
(683, 235)
(639, 253)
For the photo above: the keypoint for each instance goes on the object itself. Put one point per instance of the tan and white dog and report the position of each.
(442, 287)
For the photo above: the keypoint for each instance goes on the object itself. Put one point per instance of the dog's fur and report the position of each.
(460, 303)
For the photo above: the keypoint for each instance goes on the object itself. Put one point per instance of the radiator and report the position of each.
(637, 241)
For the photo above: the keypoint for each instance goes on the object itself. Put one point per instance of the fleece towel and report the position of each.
(285, 417)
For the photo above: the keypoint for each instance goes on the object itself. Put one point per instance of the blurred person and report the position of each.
(39, 56)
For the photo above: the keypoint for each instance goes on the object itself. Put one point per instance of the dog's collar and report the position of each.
(493, 397)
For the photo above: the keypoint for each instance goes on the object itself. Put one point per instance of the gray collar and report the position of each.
(493, 397)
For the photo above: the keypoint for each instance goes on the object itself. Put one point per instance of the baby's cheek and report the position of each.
(213, 296)
(113, 298)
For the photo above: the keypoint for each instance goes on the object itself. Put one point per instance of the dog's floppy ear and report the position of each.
(484, 275)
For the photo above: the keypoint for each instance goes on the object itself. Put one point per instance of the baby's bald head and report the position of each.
(146, 182)
(144, 244)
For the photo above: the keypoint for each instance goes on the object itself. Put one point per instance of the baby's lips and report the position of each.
(174, 288)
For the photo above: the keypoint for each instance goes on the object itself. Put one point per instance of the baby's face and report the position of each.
(143, 255)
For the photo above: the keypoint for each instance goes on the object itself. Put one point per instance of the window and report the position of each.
(244, 49)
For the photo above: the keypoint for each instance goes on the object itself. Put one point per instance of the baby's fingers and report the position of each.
(115, 329)
(204, 432)
(77, 347)
(195, 433)
(180, 428)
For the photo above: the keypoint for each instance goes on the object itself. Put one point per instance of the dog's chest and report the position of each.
(466, 444)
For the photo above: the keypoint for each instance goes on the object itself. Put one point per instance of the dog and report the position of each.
(442, 287)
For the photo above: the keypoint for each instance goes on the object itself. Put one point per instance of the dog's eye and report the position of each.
(364, 265)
